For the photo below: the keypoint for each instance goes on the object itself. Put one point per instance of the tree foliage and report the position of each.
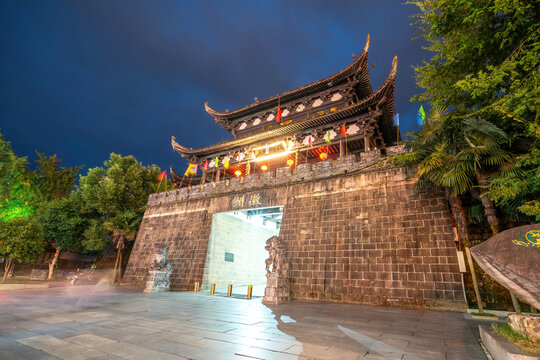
(119, 192)
(21, 239)
(14, 183)
(485, 66)
(122, 184)
(63, 224)
(52, 181)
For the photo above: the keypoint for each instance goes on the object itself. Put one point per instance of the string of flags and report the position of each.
(162, 175)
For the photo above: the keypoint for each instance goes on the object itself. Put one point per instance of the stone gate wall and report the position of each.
(356, 230)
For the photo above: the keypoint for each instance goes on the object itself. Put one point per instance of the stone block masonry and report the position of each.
(356, 231)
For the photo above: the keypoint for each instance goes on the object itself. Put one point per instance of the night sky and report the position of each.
(82, 79)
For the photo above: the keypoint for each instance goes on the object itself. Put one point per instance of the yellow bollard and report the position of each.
(229, 290)
(196, 289)
(250, 290)
(213, 289)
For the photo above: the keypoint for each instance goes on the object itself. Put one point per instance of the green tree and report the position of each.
(14, 183)
(119, 192)
(485, 65)
(434, 154)
(518, 187)
(51, 181)
(66, 227)
(21, 239)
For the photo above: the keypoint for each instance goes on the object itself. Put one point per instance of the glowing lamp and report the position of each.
(290, 162)
(264, 168)
(323, 155)
(238, 173)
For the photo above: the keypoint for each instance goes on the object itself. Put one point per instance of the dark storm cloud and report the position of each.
(85, 78)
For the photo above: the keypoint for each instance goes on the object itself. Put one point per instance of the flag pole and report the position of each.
(159, 185)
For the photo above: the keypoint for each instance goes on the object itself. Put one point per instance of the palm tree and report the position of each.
(124, 226)
(433, 148)
(461, 156)
(483, 158)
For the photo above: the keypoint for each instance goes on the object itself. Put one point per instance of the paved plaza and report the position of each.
(89, 322)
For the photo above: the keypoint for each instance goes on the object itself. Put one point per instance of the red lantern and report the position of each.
(264, 168)
(323, 156)
(238, 173)
(290, 162)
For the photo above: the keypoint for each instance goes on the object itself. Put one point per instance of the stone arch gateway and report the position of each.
(356, 231)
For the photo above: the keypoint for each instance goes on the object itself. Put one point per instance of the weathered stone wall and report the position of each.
(246, 242)
(356, 231)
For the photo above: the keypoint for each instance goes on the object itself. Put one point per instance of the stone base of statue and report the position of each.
(277, 291)
(158, 280)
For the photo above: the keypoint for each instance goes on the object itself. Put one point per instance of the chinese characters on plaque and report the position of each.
(247, 200)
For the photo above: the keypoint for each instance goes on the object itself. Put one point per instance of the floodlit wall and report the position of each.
(243, 240)
(356, 229)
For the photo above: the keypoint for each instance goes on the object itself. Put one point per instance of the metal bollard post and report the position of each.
(250, 291)
(196, 289)
(229, 290)
(213, 289)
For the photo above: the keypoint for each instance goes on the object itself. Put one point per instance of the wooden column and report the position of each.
(366, 143)
(341, 152)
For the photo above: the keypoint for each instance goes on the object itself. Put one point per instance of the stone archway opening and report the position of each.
(236, 253)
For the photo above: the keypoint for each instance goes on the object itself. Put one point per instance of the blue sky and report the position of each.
(82, 79)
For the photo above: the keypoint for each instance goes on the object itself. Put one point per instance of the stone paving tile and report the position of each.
(25, 353)
(89, 340)
(259, 353)
(134, 352)
(73, 352)
(41, 341)
(108, 357)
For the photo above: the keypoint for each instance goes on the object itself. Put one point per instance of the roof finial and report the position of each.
(256, 99)
(354, 56)
(366, 47)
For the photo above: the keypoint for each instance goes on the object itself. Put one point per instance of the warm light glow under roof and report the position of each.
(273, 156)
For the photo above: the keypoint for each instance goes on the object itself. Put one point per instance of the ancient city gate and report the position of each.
(355, 228)
(356, 232)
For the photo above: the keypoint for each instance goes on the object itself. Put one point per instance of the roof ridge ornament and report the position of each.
(366, 47)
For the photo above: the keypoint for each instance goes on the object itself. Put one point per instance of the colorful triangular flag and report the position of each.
(328, 137)
(162, 175)
(216, 162)
(278, 115)
(343, 130)
(421, 117)
(396, 120)
(205, 167)
(226, 163)
(310, 142)
(191, 170)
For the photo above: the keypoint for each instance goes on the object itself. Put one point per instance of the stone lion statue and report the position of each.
(276, 263)
(159, 261)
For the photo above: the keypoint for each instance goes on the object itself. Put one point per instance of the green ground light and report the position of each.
(14, 208)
